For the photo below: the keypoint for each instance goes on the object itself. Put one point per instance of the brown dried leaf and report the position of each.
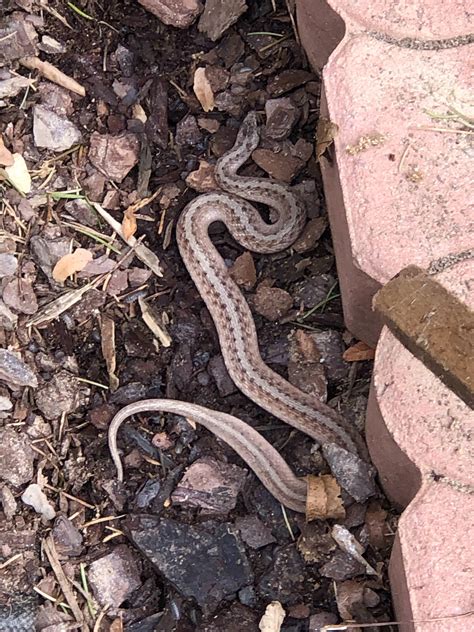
(6, 156)
(71, 263)
(325, 134)
(324, 498)
(129, 223)
(202, 90)
(358, 352)
(273, 618)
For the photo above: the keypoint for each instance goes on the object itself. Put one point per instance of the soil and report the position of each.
(175, 547)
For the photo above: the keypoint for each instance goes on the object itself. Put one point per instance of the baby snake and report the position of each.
(236, 328)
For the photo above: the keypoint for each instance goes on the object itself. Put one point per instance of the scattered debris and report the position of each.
(53, 131)
(352, 473)
(114, 577)
(273, 617)
(218, 15)
(272, 302)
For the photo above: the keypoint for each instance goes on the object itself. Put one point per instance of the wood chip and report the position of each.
(53, 74)
(107, 333)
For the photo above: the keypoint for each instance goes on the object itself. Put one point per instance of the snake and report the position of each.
(236, 328)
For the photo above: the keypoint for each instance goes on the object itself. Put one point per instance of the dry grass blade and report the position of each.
(151, 322)
(53, 74)
(51, 554)
(62, 304)
(142, 252)
(107, 332)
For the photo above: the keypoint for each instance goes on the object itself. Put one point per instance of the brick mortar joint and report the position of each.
(418, 44)
(451, 482)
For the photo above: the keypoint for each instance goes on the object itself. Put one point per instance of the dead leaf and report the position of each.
(358, 352)
(129, 223)
(325, 134)
(202, 89)
(107, 333)
(6, 156)
(18, 174)
(323, 499)
(71, 263)
(273, 618)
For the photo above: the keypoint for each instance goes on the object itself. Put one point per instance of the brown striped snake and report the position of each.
(236, 328)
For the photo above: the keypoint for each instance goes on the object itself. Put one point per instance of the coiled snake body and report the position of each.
(236, 328)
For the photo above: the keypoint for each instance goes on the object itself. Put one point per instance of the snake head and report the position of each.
(248, 136)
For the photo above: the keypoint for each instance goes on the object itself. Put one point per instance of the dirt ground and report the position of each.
(191, 540)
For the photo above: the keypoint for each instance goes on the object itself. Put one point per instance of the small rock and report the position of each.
(321, 619)
(47, 252)
(114, 156)
(284, 582)
(39, 428)
(219, 15)
(52, 131)
(20, 296)
(209, 124)
(8, 502)
(329, 344)
(288, 80)
(211, 485)
(147, 494)
(62, 394)
(218, 78)
(342, 566)
(81, 212)
(281, 116)
(8, 319)
(94, 186)
(312, 290)
(316, 542)
(230, 49)
(138, 276)
(230, 103)
(281, 166)
(162, 441)
(14, 371)
(300, 611)
(272, 302)
(8, 264)
(51, 46)
(13, 86)
(5, 403)
(223, 140)
(55, 98)
(311, 234)
(18, 37)
(305, 369)
(376, 526)
(243, 271)
(67, 538)
(100, 265)
(235, 619)
(114, 577)
(177, 550)
(187, 131)
(36, 498)
(202, 180)
(118, 282)
(179, 13)
(354, 475)
(248, 596)
(219, 372)
(303, 149)
(253, 532)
